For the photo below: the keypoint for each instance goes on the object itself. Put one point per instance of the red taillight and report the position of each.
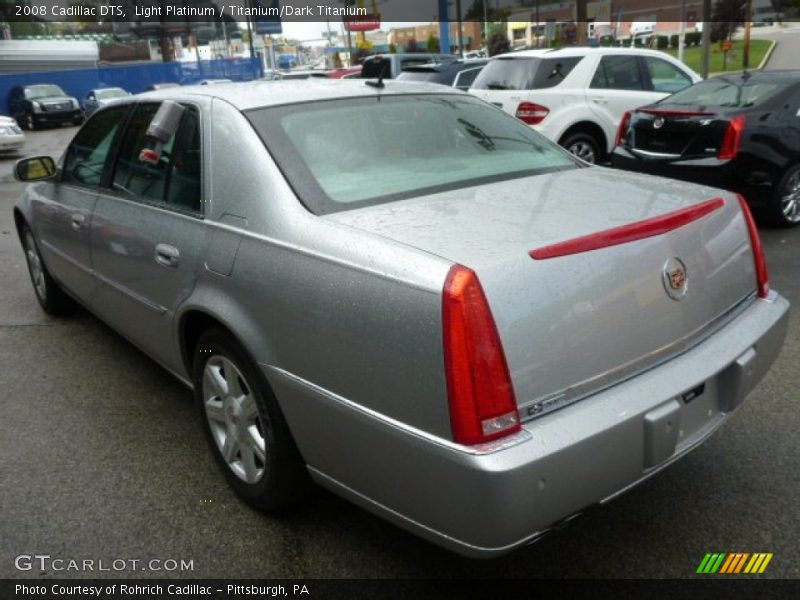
(762, 276)
(531, 113)
(623, 128)
(732, 139)
(482, 402)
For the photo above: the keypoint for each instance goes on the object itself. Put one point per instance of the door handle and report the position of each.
(78, 220)
(599, 100)
(167, 255)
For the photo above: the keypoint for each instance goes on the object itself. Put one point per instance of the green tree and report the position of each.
(726, 17)
(433, 43)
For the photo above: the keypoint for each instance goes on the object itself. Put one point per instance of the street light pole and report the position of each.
(747, 18)
(460, 35)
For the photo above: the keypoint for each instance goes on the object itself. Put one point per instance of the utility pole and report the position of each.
(580, 22)
(748, 12)
(682, 31)
(486, 27)
(706, 37)
(250, 33)
(460, 34)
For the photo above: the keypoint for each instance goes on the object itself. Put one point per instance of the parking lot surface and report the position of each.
(104, 458)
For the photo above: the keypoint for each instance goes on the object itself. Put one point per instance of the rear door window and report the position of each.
(175, 180)
(618, 73)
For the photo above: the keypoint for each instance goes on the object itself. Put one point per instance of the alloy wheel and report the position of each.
(790, 200)
(234, 419)
(35, 267)
(583, 150)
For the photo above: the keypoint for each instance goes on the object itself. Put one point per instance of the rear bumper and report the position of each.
(485, 505)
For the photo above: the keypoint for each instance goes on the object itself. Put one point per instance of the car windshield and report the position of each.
(345, 154)
(110, 94)
(725, 92)
(43, 91)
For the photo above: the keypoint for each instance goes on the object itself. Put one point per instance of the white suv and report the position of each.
(577, 96)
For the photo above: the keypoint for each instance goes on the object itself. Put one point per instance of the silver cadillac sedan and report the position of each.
(403, 294)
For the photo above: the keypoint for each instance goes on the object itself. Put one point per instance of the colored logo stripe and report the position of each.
(734, 562)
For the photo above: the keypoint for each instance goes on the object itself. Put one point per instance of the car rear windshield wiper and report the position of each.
(497, 86)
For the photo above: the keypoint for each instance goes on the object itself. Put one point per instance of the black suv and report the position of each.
(41, 104)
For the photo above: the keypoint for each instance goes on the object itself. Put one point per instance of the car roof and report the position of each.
(257, 94)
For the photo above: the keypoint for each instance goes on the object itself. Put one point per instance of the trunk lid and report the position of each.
(676, 133)
(575, 324)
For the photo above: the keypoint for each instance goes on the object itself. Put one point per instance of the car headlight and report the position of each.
(36, 107)
(75, 103)
(15, 129)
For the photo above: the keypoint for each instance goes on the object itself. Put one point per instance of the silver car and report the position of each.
(101, 97)
(407, 296)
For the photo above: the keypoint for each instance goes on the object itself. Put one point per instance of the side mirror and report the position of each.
(37, 168)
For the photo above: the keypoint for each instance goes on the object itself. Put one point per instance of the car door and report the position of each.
(146, 232)
(63, 212)
(619, 84)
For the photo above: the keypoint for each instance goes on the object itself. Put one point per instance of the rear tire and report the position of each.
(244, 425)
(784, 209)
(51, 297)
(583, 145)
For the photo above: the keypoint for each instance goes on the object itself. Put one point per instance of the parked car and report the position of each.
(161, 86)
(102, 96)
(389, 66)
(459, 74)
(577, 96)
(740, 133)
(213, 81)
(450, 320)
(43, 104)
(12, 138)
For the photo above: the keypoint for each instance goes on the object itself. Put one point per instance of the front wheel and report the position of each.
(49, 294)
(784, 210)
(584, 146)
(244, 425)
(27, 122)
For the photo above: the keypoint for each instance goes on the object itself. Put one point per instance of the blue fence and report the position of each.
(134, 78)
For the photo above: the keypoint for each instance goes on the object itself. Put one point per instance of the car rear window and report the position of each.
(419, 75)
(532, 73)
(726, 93)
(344, 154)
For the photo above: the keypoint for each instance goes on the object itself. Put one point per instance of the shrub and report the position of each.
(662, 42)
(674, 40)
